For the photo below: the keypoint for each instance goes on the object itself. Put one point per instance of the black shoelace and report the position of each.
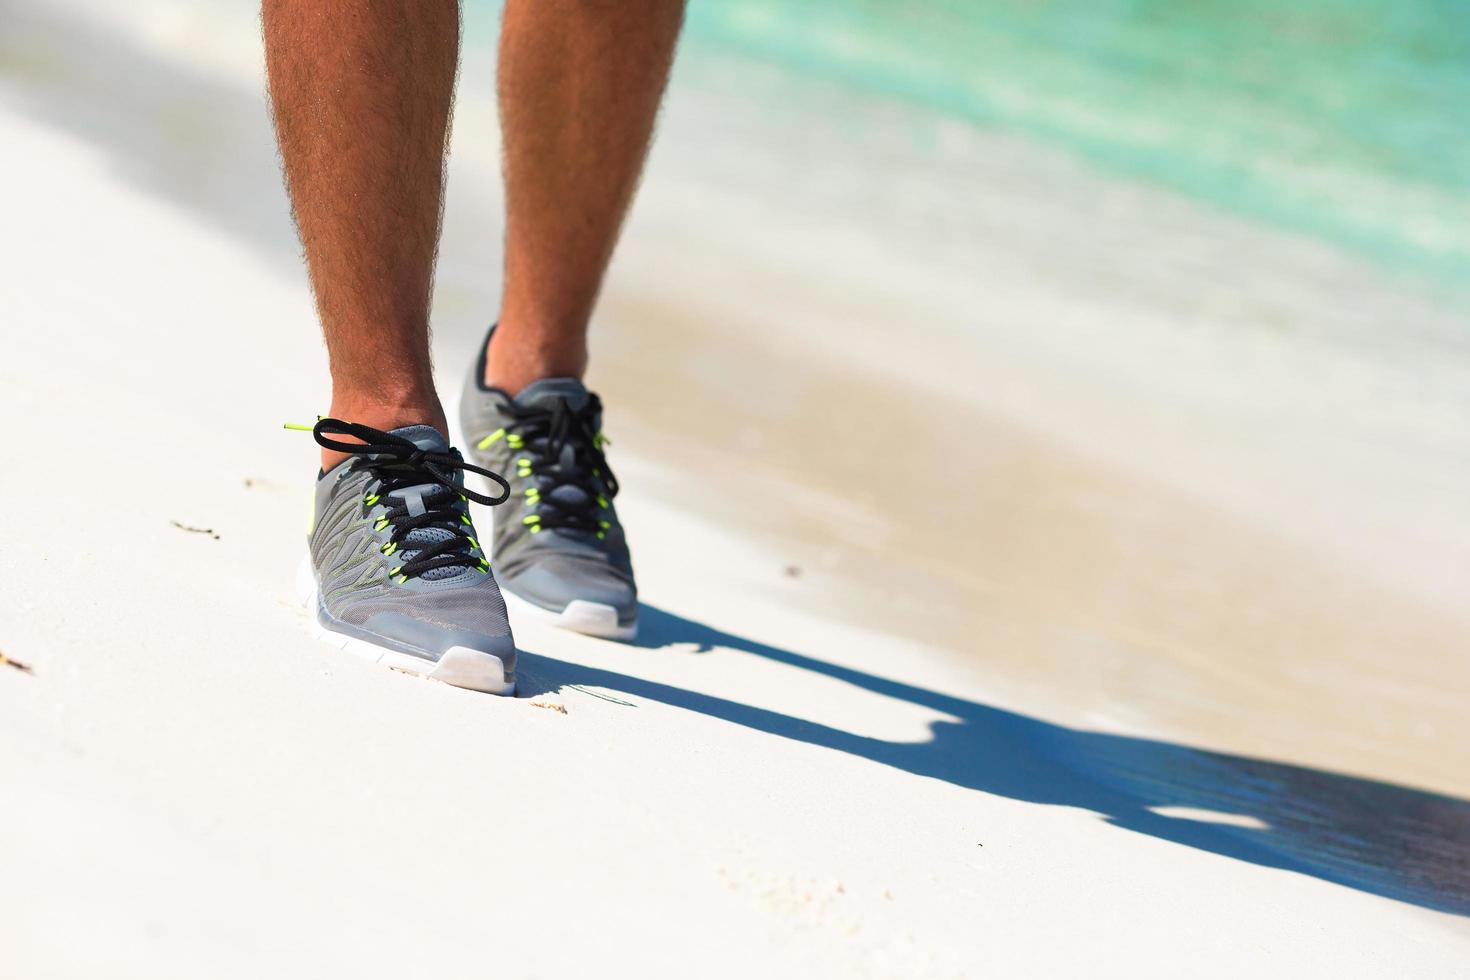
(565, 450)
(396, 463)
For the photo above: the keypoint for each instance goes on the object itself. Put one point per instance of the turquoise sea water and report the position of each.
(1348, 120)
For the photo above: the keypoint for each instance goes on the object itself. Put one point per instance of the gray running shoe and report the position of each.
(395, 573)
(558, 546)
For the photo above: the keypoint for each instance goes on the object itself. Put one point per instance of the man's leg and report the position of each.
(395, 571)
(580, 84)
(362, 94)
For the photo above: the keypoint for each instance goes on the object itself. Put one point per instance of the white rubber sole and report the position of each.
(473, 670)
(580, 616)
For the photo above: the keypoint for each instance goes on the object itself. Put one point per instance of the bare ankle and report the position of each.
(382, 413)
(517, 357)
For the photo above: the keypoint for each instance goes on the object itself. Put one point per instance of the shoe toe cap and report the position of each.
(433, 639)
(552, 582)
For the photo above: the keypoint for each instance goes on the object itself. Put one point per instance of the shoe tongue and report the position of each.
(548, 391)
(424, 436)
(428, 438)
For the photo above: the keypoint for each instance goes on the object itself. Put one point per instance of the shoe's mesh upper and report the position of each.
(477, 609)
(424, 537)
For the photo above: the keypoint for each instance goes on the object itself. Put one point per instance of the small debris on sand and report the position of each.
(792, 571)
(195, 530)
(7, 662)
(549, 705)
(600, 695)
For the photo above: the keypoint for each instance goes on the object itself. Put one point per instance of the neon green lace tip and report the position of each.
(514, 441)
(298, 427)
(403, 580)
(605, 525)
(601, 536)
(464, 518)
(370, 500)
(474, 542)
(389, 548)
(602, 502)
(488, 440)
(535, 528)
(380, 523)
(533, 519)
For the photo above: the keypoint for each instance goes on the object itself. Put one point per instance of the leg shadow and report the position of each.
(1397, 842)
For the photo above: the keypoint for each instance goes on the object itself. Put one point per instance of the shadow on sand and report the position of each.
(1387, 840)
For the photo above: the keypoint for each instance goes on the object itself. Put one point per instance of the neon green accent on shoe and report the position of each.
(605, 525)
(602, 502)
(535, 528)
(370, 500)
(490, 439)
(601, 535)
(514, 441)
(464, 518)
(601, 440)
(531, 519)
(380, 523)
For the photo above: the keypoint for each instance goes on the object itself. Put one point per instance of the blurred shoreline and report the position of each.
(1313, 118)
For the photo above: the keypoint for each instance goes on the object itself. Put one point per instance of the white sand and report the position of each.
(193, 787)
